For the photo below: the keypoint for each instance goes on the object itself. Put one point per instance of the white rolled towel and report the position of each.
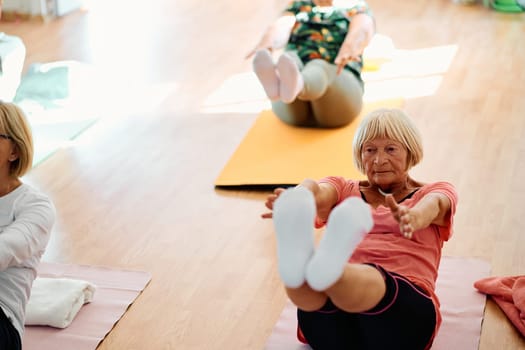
(56, 301)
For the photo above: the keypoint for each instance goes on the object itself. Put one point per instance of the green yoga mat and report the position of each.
(507, 6)
(52, 96)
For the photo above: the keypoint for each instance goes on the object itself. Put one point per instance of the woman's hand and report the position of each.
(325, 198)
(359, 34)
(349, 51)
(270, 200)
(433, 208)
(276, 36)
(404, 215)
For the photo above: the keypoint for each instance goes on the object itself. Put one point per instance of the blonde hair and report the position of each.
(393, 124)
(13, 123)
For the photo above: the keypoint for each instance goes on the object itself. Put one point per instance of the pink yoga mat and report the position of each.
(116, 290)
(462, 307)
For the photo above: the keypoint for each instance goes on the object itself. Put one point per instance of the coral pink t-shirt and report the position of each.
(418, 258)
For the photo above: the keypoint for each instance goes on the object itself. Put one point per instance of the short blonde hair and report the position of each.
(388, 123)
(13, 123)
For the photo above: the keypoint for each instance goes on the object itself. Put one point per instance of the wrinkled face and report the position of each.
(385, 161)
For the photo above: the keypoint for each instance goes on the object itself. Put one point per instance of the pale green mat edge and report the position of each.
(56, 101)
(50, 138)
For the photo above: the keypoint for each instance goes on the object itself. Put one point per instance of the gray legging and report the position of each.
(328, 100)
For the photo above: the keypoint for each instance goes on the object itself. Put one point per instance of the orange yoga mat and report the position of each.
(462, 307)
(274, 153)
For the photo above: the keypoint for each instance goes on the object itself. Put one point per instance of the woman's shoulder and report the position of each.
(28, 195)
(33, 204)
(437, 185)
(444, 187)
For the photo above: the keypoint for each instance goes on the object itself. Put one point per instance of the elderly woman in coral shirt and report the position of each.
(370, 283)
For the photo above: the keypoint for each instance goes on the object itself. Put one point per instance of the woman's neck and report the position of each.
(8, 185)
(376, 195)
(394, 188)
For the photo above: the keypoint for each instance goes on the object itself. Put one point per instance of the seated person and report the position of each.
(26, 219)
(317, 81)
(370, 283)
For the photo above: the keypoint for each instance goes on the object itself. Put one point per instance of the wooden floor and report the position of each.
(137, 191)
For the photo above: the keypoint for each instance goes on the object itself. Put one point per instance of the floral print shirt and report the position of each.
(319, 32)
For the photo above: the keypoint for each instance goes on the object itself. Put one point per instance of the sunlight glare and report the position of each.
(399, 74)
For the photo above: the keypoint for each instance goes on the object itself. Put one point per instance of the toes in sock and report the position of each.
(293, 217)
(264, 68)
(291, 81)
(347, 224)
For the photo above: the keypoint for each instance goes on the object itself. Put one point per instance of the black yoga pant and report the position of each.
(9, 337)
(404, 319)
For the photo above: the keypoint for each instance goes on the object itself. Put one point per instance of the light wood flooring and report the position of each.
(136, 190)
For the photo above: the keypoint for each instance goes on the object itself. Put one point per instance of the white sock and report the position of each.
(264, 68)
(291, 80)
(293, 218)
(347, 225)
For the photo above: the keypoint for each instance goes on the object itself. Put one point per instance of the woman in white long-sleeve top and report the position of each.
(26, 219)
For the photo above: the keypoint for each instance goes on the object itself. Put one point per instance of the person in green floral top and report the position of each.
(316, 82)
